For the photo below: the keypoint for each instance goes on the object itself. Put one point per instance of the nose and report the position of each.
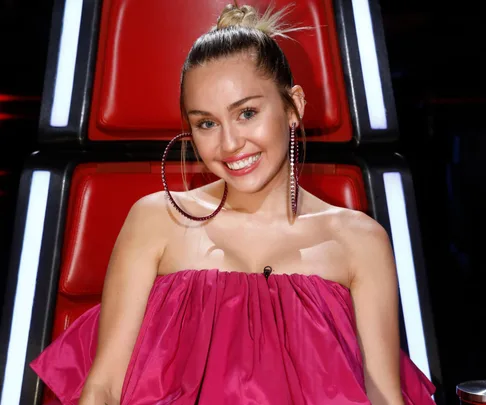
(231, 140)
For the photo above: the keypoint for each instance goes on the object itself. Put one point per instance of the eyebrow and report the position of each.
(231, 107)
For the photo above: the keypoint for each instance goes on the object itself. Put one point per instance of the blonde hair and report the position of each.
(270, 23)
(238, 30)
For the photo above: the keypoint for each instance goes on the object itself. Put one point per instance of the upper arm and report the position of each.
(130, 276)
(374, 290)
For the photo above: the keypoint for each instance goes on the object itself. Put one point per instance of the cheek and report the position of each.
(200, 147)
(284, 140)
(281, 135)
(271, 137)
(205, 148)
(275, 126)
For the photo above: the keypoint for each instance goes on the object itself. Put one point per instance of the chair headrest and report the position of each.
(143, 45)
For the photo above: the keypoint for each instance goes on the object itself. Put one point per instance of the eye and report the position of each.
(206, 124)
(248, 113)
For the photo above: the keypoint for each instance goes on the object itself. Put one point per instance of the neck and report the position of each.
(270, 202)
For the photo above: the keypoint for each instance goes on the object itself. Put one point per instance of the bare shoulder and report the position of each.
(199, 202)
(159, 205)
(158, 210)
(347, 223)
(367, 243)
(149, 215)
(149, 205)
(358, 226)
(364, 240)
(144, 233)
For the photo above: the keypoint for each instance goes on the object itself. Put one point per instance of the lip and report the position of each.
(239, 157)
(245, 170)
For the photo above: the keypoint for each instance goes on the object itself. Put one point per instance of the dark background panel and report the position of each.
(437, 60)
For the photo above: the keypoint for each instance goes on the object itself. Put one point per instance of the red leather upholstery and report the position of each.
(142, 47)
(102, 194)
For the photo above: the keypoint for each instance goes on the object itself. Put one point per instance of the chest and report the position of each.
(248, 246)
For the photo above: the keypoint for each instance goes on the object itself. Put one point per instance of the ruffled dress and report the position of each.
(210, 337)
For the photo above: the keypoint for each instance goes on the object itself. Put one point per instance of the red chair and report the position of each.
(100, 197)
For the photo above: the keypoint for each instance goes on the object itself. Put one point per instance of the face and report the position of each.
(238, 121)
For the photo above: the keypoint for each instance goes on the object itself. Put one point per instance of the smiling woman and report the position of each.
(204, 312)
(239, 69)
(248, 126)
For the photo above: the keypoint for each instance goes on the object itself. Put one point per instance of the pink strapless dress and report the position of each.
(212, 338)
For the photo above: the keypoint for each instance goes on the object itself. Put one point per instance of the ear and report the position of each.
(298, 96)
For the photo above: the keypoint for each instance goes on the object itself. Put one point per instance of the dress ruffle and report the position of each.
(211, 338)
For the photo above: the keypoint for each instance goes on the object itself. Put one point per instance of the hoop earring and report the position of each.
(294, 173)
(169, 196)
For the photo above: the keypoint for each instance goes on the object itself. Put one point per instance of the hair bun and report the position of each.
(244, 16)
(270, 23)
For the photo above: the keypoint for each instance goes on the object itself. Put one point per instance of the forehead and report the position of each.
(225, 80)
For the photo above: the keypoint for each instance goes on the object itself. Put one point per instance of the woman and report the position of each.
(295, 300)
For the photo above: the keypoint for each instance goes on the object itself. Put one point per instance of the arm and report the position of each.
(375, 296)
(130, 276)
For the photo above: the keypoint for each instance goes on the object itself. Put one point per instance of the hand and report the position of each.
(96, 395)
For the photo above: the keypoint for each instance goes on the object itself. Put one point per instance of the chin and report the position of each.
(249, 183)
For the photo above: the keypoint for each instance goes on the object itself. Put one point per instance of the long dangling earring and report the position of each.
(294, 173)
(169, 196)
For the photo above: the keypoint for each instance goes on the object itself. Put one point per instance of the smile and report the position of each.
(243, 163)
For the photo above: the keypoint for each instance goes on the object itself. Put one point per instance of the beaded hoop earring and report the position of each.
(169, 196)
(294, 173)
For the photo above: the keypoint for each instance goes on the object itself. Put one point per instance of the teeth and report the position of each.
(241, 164)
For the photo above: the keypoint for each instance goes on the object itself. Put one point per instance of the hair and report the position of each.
(241, 30)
